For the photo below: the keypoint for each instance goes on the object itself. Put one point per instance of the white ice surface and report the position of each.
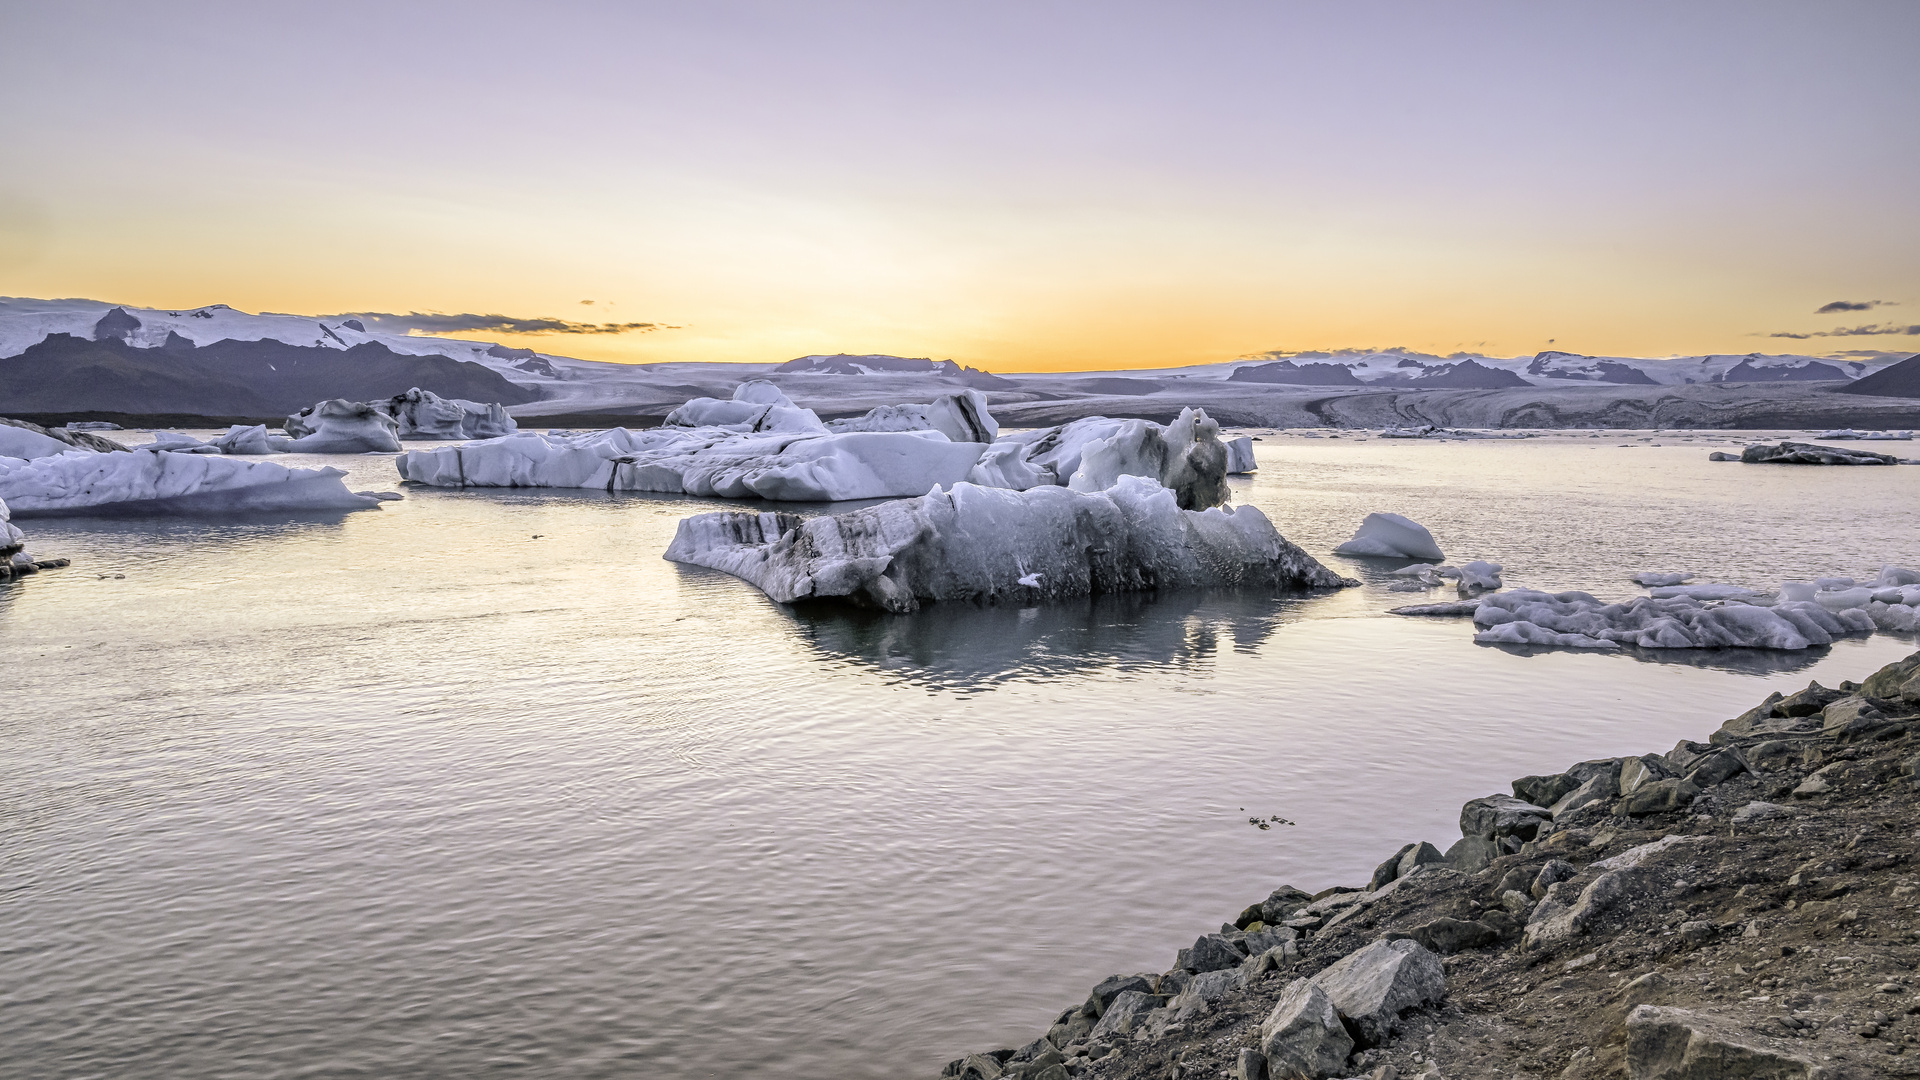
(1240, 456)
(423, 414)
(705, 461)
(1392, 536)
(21, 443)
(976, 543)
(757, 406)
(11, 538)
(343, 427)
(1654, 579)
(961, 417)
(1185, 456)
(1578, 620)
(152, 481)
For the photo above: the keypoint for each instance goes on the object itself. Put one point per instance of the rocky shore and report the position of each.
(1743, 907)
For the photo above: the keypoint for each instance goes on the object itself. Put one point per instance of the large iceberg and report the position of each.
(423, 414)
(1394, 537)
(158, 481)
(759, 444)
(986, 544)
(340, 426)
(960, 417)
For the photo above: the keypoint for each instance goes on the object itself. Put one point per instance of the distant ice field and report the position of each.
(478, 785)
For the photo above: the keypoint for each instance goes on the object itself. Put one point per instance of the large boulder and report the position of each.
(1500, 817)
(1128, 1009)
(1112, 987)
(1372, 987)
(1303, 1035)
(1553, 921)
(1211, 952)
(1679, 1044)
(1898, 681)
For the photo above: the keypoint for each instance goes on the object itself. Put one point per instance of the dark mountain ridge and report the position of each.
(64, 373)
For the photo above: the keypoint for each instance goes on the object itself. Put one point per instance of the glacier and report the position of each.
(986, 544)
(162, 482)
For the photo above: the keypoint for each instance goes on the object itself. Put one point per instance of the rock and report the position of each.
(1126, 1011)
(1422, 854)
(1635, 857)
(1516, 902)
(1284, 901)
(975, 1067)
(1113, 986)
(1274, 938)
(1807, 702)
(1035, 1050)
(1212, 952)
(1759, 811)
(1850, 718)
(1813, 786)
(1303, 1035)
(1251, 1066)
(1372, 987)
(1555, 871)
(1898, 681)
(1448, 936)
(1636, 772)
(1716, 768)
(1471, 854)
(1659, 797)
(1554, 920)
(1599, 788)
(1498, 816)
(1679, 1044)
(1390, 869)
(1205, 990)
(1799, 453)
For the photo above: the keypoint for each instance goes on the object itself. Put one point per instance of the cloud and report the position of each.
(437, 323)
(1849, 305)
(1854, 331)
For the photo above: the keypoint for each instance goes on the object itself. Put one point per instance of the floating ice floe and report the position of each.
(1654, 579)
(14, 560)
(1240, 456)
(984, 544)
(1472, 578)
(758, 444)
(1416, 431)
(239, 439)
(158, 481)
(26, 443)
(340, 426)
(1580, 621)
(423, 414)
(1866, 436)
(1392, 536)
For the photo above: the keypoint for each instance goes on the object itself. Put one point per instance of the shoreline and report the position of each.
(1743, 906)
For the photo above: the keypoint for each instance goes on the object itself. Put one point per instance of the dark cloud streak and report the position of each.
(1849, 305)
(436, 323)
(1853, 331)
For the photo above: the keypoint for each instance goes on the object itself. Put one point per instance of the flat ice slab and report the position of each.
(995, 544)
(157, 481)
(1394, 537)
(1580, 621)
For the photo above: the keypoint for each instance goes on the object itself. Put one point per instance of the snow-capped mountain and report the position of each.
(1541, 369)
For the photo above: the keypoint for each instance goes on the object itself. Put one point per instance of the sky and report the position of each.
(1019, 186)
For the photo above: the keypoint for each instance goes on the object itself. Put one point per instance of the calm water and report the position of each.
(477, 785)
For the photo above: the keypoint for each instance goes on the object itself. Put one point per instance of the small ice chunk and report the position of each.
(1894, 575)
(756, 406)
(180, 443)
(1479, 576)
(1240, 456)
(1031, 581)
(1827, 584)
(962, 418)
(1394, 537)
(1653, 579)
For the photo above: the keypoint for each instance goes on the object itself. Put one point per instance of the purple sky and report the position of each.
(1018, 186)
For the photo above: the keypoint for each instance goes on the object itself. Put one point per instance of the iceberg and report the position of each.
(1394, 537)
(1866, 436)
(1240, 456)
(340, 426)
(986, 544)
(11, 538)
(703, 461)
(1654, 579)
(159, 481)
(423, 414)
(1578, 620)
(757, 406)
(961, 417)
(757, 444)
(1479, 576)
(27, 443)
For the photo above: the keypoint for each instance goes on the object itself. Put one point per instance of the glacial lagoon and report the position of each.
(477, 784)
